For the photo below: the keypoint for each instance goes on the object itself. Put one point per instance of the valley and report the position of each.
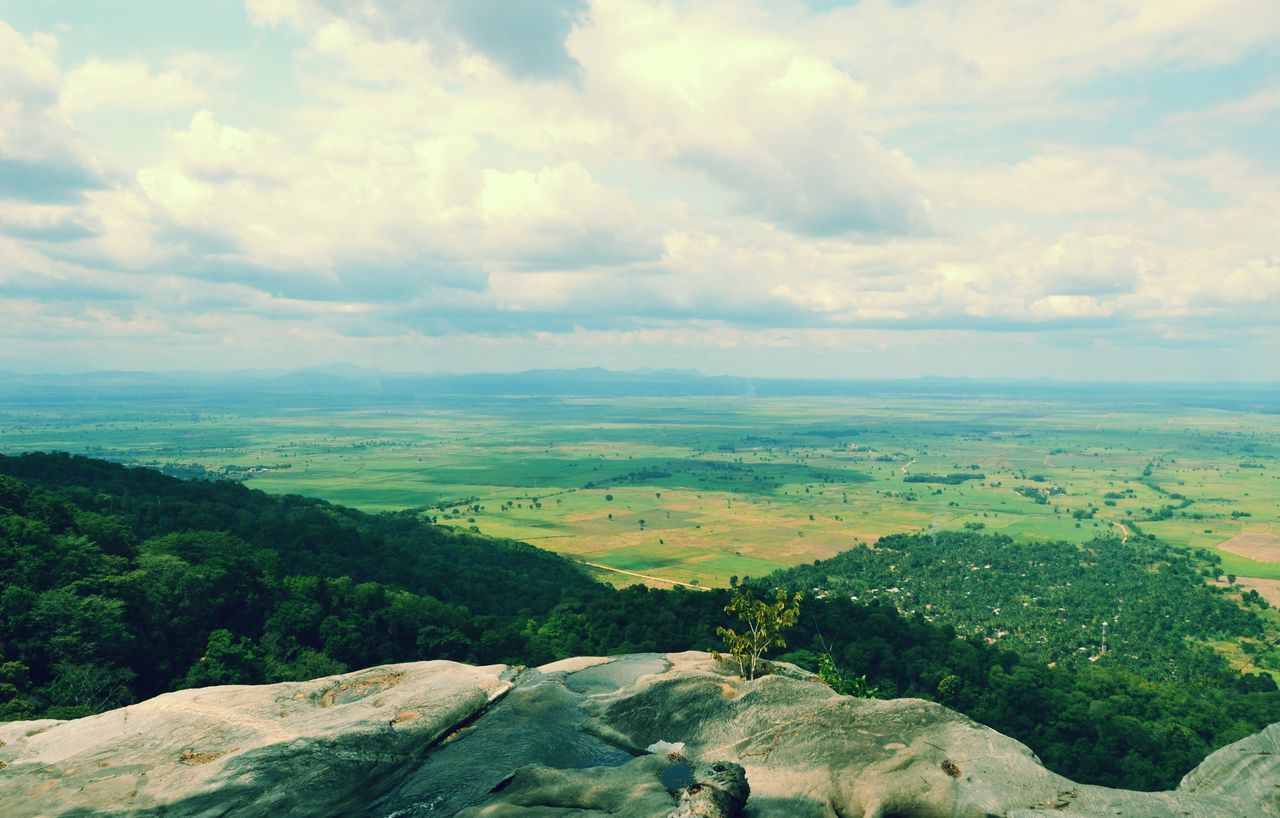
(698, 491)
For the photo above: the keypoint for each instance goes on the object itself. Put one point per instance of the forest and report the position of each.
(120, 583)
(1049, 601)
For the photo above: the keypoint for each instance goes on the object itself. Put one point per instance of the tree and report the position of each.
(765, 621)
(227, 659)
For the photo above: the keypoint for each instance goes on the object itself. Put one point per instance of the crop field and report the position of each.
(696, 491)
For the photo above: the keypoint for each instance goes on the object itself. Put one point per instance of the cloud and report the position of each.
(211, 149)
(43, 181)
(1064, 182)
(783, 129)
(29, 74)
(384, 206)
(41, 158)
(525, 39)
(1004, 52)
(127, 85)
(744, 178)
(1255, 105)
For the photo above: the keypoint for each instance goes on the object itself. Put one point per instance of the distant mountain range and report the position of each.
(349, 384)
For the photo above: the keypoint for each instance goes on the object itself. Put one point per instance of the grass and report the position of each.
(1245, 567)
(727, 486)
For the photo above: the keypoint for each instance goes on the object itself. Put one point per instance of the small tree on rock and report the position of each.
(764, 623)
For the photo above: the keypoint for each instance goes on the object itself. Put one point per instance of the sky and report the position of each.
(1075, 189)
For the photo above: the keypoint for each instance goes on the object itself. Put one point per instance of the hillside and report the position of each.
(119, 584)
(1048, 601)
(123, 583)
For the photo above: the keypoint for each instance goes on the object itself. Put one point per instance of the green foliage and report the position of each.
(856, 686)
(950, 688)
(954, 479)
(1048, 600)
(228, 659)
(13, 680)
(764, 622)
(117, 584)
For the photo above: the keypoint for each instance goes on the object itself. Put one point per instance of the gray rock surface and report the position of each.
(370, 743)
(810, 752)
(719, 790)
(308, 748)
(640, 788)
(1248, 769)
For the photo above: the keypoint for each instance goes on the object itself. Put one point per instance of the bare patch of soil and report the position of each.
(1268, 589)
(1262, 546)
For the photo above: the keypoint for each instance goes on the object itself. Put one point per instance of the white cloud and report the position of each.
(127, 85)
(28, 66)
(735, 176)
(1252, 106)
(752, 110)
(212, 149)
(1007, 51)
(42, 159)
(1066, 182)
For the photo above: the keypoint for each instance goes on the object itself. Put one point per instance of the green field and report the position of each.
(698, 490)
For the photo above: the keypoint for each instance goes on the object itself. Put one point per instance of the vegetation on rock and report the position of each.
(763, 622)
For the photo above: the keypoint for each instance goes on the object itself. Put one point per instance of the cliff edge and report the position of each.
(644, 735)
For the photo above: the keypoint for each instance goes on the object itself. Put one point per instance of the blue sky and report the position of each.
(1003, 188)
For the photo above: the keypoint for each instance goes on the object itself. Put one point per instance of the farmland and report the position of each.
(699, 490)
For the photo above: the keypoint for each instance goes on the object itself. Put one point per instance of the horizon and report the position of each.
(789, 189)
(350, 371)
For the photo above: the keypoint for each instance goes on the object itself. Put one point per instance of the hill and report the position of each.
(122, 583)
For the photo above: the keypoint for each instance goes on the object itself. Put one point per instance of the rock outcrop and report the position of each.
(676, 735)
(309, 748)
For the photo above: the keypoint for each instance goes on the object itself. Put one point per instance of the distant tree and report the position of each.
(227, 659)
(437, 642)
(14, 678)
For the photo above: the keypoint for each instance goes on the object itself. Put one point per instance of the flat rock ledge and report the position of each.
(703, 740)
(292, 749)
